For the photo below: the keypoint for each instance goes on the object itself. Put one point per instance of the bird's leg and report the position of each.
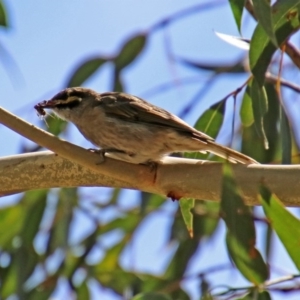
(105, 150)
(151, 164)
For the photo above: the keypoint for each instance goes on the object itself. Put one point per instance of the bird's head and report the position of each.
(69, 102)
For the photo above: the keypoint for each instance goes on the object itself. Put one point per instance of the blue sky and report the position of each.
(47, 39)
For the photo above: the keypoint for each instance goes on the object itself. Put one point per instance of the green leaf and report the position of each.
(186, 205)
(209, 123)
(286, 138)
(260, 108)
(247, 259)
(234, 68)
(85, 70)
(82, 292)
(127, 223)
(9, 281)
(241, 235)
(246, 112)
(186, 248)
(110, 261)
(212, 119)
(3, 18)
(33, 204)
(55, 125)
(130, 51)
(271, 120)
(262, 9)
(59, 233)
(152, 296)
(11, 224)
(286, 21)
(237, 7)
(206, 218)
(36, 203)
(283, 222)
(150, 202)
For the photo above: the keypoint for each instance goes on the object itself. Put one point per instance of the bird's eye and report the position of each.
(69, 103)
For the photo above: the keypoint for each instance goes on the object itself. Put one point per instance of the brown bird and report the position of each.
(131, 129)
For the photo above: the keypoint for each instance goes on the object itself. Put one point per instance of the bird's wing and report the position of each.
(134, 109)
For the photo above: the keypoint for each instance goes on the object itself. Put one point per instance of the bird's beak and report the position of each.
(44, 104)
(47, 104)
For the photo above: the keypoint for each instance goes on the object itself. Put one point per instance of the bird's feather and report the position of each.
(133, 109)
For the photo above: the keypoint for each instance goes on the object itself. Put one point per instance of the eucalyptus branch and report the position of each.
(264, 286)
(72, 166)
(274, 79)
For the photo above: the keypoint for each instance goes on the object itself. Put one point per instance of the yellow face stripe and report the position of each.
(68, 100)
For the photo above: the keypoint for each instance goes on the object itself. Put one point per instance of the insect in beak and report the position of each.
(42, 105)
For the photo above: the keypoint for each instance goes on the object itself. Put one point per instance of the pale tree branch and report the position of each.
(72, 166)
(175, 177)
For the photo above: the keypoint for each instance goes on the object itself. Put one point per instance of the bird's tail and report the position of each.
(229, 154)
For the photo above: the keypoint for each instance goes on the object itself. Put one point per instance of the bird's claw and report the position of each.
(103, 151)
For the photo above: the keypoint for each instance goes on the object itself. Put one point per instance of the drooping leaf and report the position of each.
(262, 9)
(286, 138)
(269, 234)
(285, 21)
(259, 108)
(55, 125)
(128, 223)
(210, 123)
(36, 203)
(247, 259)
(271, 120)
(246, 112)
(85, 70)
(3, 16)
(82, 292)
(59, 233)
(206, 218)
(186, 248)
(205, 221)
(241, 237)
(9, 280)
(130, 51)
(110, 261)
(283, 222)
(237, 7)
(12, 218)
(212, 119)
(33, 204)
(234, 68)
(186, 205)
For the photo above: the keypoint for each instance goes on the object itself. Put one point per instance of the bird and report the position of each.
(131, 129)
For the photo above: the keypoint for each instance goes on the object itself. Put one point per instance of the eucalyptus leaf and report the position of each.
(286, 225)
(241, 237)
(85, 70)
(237, 7)
(285, 15)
